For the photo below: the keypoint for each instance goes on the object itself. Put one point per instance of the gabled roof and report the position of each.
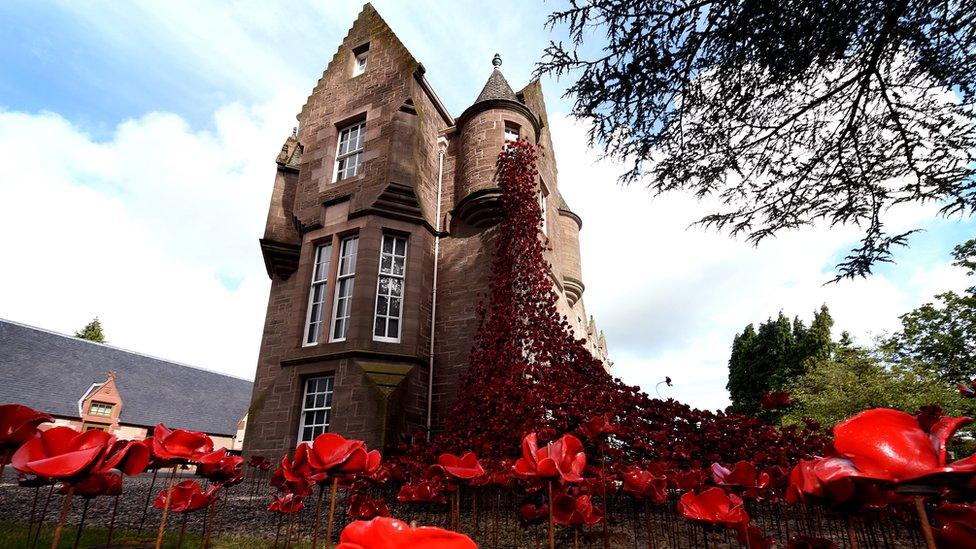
(49, 371)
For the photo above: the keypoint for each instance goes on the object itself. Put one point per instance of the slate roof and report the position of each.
(496, 88)
(50, 371)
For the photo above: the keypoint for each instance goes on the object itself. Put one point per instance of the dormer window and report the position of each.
(511, 131)
(361, 57)
(102, 409)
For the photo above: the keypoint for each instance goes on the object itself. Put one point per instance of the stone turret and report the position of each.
(482, 132)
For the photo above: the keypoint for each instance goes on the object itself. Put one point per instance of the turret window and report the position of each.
(389, 289)
(350, 150)
(345, 277)
(316, 295)
(511, 131)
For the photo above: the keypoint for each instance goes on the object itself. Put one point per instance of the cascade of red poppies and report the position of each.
(527, 372)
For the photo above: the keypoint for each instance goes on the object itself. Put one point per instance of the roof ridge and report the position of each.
(114, 348)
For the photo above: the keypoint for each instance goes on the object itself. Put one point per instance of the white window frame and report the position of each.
(321, 265)
(389, 297)
(343, 155)
(342, 277)
(512, 130)
(98, 404)
(360, 62)
(543, 195)
(326, 407)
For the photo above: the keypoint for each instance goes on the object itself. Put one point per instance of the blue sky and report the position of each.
(137, 144)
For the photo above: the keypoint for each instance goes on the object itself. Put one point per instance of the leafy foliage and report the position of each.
(787, 113)
(855, 380)
(92, 331)
(770, 358)
(942, 334)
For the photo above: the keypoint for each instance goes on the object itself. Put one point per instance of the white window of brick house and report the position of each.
(542, 205)
(511, 131)
(316, 407)
(345, 276)
(360, 59)
(349, 152)
(389, 289)
(316, 294)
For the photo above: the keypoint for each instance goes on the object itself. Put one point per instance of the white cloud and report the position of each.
(155, 231)
(671, 298)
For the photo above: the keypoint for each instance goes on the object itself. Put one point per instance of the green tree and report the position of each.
(854, 379)
(785, 113)
(92, 331)
(771, 357)
(941, 334)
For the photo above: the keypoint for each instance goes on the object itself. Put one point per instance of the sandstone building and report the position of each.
(381, 219)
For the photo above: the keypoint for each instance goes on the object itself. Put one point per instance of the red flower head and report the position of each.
(365, 507)
(564, 458)
(575, 511)
(286, 503)
(426, 491)
(226, 472)
(360, 462)
(775, 400)
(180, 445)
(187, 496)
(743, 474)
(713, 506)
(533, 514)
(330, 451)
(596, 427)
(388, 533)
(287, 480)
(645, 485)
(687, 480)
(97, 484)
(834, 481)
(18, 424)
(63, 453)
(465, 467)
(957, 525)
(129, 456)
(889, 445)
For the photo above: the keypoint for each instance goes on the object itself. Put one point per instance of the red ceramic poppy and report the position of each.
(360, 462)
(597, 426)
(129, 456)
(687, 480)
(713, 506)
(226, 472)
(742, 474)
(388, 533)
(775, 400)
(63, 453)
(533, 514)
(563, 458)
(18, 424)
(285, 479)
(957, 525)
(645, 485)
(96, 484)
(365, 507)
(180, 445)
(890, 445)
(330, 451)
(465, 467)
(426, 491)
(751, 536)
(187, 496)
(286, 503)
(575, 511)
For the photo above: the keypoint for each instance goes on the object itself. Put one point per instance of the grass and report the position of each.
(13, 535)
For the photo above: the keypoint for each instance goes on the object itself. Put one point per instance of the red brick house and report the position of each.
(378, 243)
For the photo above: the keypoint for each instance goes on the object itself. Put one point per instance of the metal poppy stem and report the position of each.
(179, 540)
(647, 519)
(145, 507)
(278, 531)
(318, 518)
(552, 528)
(923, 517)
(81, 523)
(851, 533)
(65, 507)
(111, 525)
(169, 500)
(40, 519)
(30, 521)
(332, 504)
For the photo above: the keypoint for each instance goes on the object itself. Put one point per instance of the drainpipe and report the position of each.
(442, 146)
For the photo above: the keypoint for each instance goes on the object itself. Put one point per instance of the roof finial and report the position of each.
(496, 61)
(294, 131)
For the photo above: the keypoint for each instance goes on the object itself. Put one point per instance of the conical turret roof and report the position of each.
(496, 87)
